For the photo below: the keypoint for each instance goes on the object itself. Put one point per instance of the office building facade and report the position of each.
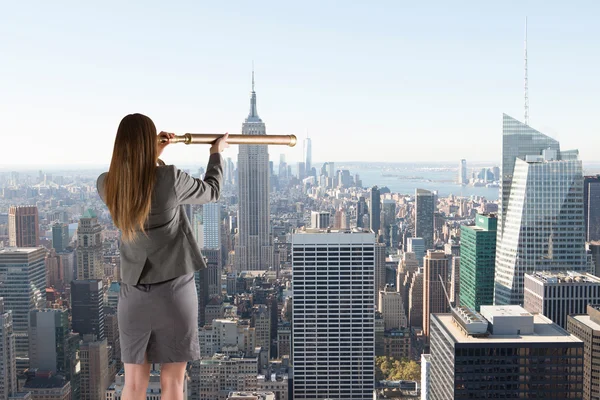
(478, 260)
(504, 352)
(333, 318)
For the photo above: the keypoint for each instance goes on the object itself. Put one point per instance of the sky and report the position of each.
(393, 81)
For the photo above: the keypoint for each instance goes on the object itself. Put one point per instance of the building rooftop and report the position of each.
(587, 320)
(53, 382)
(329, 230)
(19, 250)
(564, 277)
(544, 331)
(252, 395)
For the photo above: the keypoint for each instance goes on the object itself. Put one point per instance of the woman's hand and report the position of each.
(220, 144)
(162, 144)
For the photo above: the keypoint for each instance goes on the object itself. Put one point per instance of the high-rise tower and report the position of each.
(23, 226)
(424, 210)
(90, 263)
(254, 250)
(308, 156)
(542, 225)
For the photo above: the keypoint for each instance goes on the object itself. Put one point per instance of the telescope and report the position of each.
(209, 138)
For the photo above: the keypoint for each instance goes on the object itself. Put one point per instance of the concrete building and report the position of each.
(425, 375)
(437, 266)
(8, 364)
(587, 328)
(391, 307)
(478, 261)
(254, 248)
(424, 210)
(23, 289)
(333, 288)
(560, 294)
(320, 219)
(23, 226)
(284, 340)
(502, 352)
(48, 387)
(396, 343)
(213, 378)
(94, 368)
(415, 300)
(90, 262)
(251, 395)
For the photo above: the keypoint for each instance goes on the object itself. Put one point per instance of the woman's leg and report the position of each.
(172, 377)
(136, 381)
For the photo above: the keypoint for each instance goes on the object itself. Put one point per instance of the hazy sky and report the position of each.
(369, 80)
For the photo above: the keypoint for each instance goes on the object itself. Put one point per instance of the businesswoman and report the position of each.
(158, 306)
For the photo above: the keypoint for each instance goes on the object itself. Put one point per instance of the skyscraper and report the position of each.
(542, 210)
(89, 247)
(52, 346)
(361, 211)
(504, 352)
(587, 328)
(375, 210)
(557, 295)
(8, 366)
(87, 307)
(462, 172)
(94, 368)
(211, 218)
(23, 288)
(333, 317)
(424, 209)
(60, 236)
(23, 226)
(307, 155)
(437, 266)
(591, 207)
(254, 250)
(391, 307)
(478, 260)
(416, 245)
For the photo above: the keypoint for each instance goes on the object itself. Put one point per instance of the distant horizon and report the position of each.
(293, 164)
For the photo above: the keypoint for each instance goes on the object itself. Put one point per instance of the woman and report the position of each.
(158, 306)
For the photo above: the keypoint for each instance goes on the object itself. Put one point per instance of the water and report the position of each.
(404, 178)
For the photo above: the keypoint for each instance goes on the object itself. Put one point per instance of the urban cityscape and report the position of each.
(328, 280)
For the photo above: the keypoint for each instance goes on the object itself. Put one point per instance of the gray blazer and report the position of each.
(168, 249)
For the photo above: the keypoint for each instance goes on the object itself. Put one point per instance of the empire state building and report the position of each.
(254, 250)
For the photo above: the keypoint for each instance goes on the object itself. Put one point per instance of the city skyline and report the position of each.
(91, 78)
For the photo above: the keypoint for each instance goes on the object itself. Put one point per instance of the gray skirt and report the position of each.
(158, 323)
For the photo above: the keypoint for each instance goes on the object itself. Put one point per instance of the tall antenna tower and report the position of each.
(526, 80)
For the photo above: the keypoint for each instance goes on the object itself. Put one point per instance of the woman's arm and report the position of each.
(197, 191)
(191, 190)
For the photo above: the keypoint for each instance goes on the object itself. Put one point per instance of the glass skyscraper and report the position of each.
(424, 210)
(542, 210)
(478, 256)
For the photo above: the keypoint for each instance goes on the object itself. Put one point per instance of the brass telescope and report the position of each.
(209, 138)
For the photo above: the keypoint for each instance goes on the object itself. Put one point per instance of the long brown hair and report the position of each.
(130, 179)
